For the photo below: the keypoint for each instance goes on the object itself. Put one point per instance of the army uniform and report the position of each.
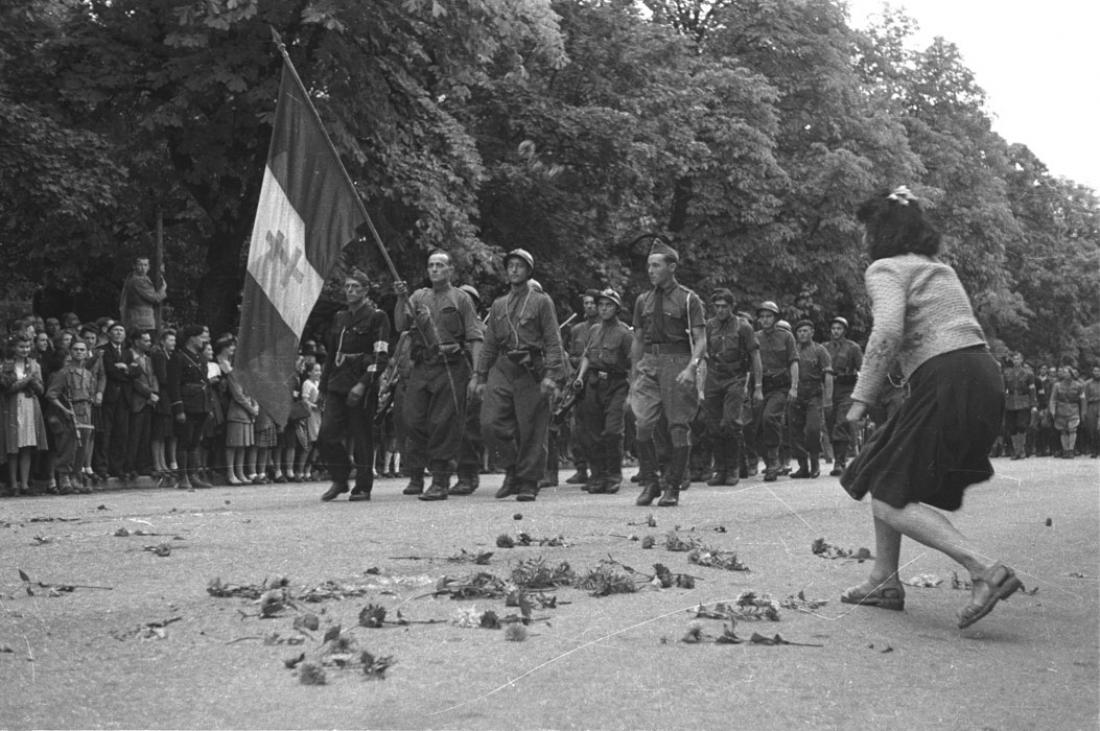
(777, 353)
(522, 348)
(606, 367)
(445, 324)
(72, 389)
(189, 390)
(805, 413)
(579, 439)
(663, 319)
(847, 359)
(357, 351)
(1020, 401)
(730, 348)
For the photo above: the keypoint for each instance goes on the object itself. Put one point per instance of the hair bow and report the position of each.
(902, 195)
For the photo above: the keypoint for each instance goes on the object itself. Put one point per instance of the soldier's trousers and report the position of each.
(341, 422)
(434, 403)
(805, 417)
(770, 416)
(515, 420)
(657, 393)
(841, 431)
(469, 453)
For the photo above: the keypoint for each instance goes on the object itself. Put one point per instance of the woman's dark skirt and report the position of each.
(937, 444)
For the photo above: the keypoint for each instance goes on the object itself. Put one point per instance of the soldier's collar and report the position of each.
(670, 287)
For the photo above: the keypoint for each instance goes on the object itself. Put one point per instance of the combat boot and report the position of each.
(674, 477)
(721, 467)
(416, 483)
(465, 485)
(803, 471)
(508, 486)
(441, 485)
(580, 477)
(815, 466)
(840, 454)
(647, 468)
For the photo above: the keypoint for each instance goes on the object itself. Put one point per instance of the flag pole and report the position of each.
(309, 102)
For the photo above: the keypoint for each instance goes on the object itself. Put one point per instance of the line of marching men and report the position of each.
(457, 382)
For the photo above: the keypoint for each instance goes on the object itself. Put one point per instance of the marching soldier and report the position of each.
(602, 374)
(578, 338)
(472, 449)
(1020, 403)
(669, 342)
(357, 350)
(519, 368)
(732, 354)
(806, 410)
(847, 358)
(779, 383)
(443, 324)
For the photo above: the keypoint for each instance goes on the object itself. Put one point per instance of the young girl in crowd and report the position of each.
(311, 426)
(24, 425)
(240, 416)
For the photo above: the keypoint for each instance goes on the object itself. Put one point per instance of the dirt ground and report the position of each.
(153, 649)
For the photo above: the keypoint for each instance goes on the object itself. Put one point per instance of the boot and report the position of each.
(1018, 446)
(803, 470)
(360, 493)
(840, 454)
(508, 486)
(465, 485)
(721, 465)
(197, 480)
(65, 485)
(612, 467)
(338, 487)
(771, 465)
(647, 466)
(815, 466)
(597, 472)
(183, 480)
(677, 465)
(441, 485)
(416, 483)
(527, 492)
(580, 477)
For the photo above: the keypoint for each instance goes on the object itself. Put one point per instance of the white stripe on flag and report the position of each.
(277, 256)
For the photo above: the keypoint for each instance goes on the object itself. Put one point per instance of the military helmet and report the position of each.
(611, 295)
(783, 325)
(768, 306)
(523, 255)
(841, 320)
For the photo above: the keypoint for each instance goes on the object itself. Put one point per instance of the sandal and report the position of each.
(1000, 582)
(870, 595)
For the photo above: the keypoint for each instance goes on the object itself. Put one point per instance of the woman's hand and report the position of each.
(857, 411)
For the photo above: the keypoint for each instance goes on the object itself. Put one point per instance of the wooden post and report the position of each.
(157, 265)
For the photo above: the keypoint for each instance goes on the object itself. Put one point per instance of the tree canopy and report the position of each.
(746, 131)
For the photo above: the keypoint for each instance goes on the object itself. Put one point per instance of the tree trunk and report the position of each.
(219, 294)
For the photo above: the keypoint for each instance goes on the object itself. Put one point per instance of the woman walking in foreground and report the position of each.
(936, 444)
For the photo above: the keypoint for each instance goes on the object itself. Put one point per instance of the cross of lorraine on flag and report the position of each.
(308, 211)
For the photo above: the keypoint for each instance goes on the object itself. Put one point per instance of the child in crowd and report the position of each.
(311, 425)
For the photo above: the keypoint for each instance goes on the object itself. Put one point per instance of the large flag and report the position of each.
(308, 211)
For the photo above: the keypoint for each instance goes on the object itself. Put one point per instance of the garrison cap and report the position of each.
(803, 323)
(722, 295)
(611, 296)
(660, 247)
(593, 293)
(523, 255)
(358, 275)
(841, 320)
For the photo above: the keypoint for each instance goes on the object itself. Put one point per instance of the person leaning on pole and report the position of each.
(520, 367)
(669, 342)
(139, 298)
(442, 325)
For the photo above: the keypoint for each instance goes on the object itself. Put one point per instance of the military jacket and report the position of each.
(1019, 388)
(74, 387)
(524, 320)
(847, 358)
(777, 351)
(813, 364)
(441, 318)
(357, 348)
(683, 310)
(729, 347)
(188, 386)
(608, 347)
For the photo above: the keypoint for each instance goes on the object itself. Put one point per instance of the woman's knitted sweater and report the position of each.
(920, 310)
